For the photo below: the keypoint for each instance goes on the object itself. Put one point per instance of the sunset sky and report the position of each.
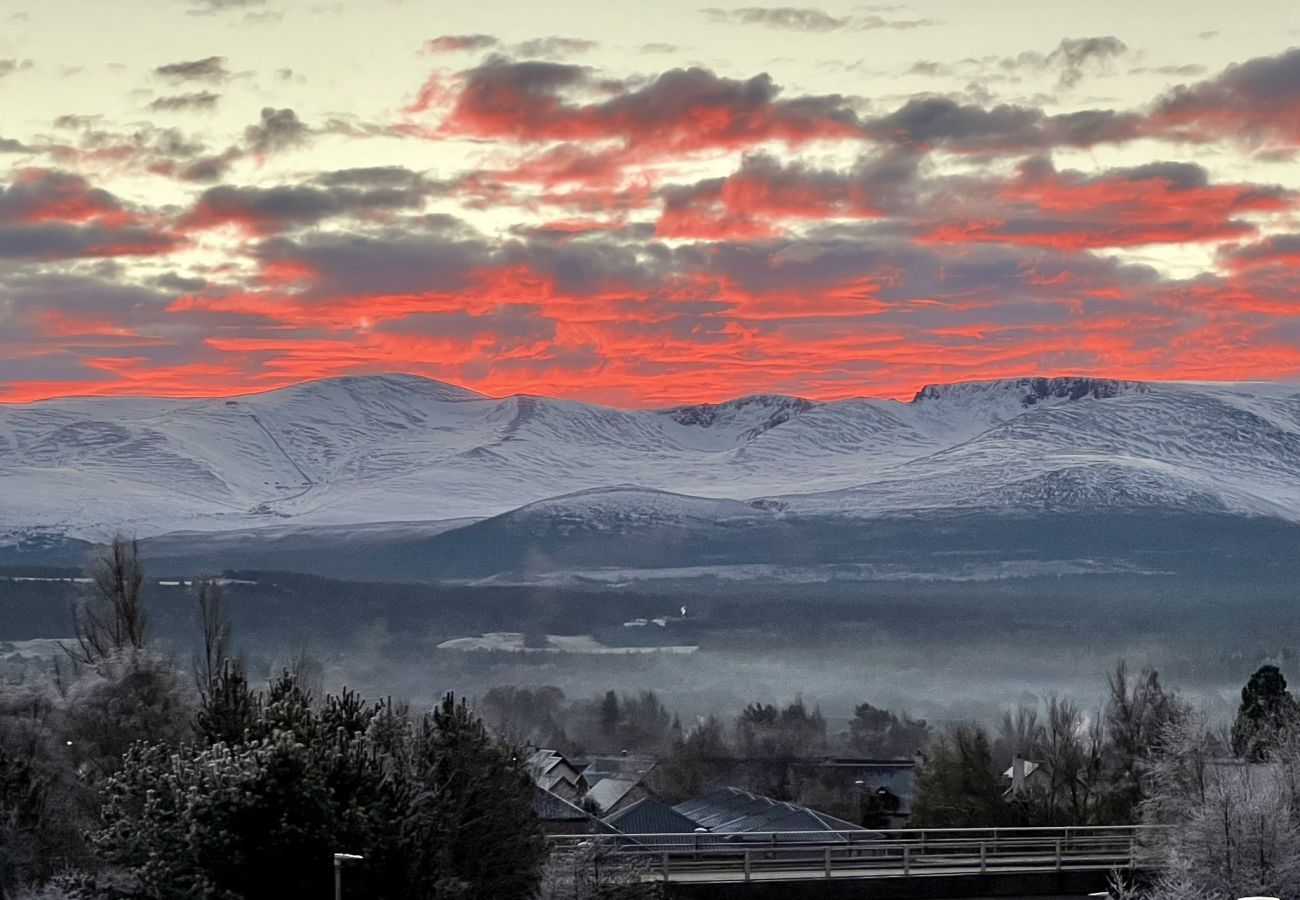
(642, 204)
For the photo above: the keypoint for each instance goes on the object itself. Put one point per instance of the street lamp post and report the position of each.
(339, 860)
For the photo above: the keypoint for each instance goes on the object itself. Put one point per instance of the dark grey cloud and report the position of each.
(1075, 57)
(944, 122)
(396, 260)
(765, 189)
(553, 47)
(198, 101)
(369, 176)
(75, 121)
(207, 168)
(1072, 60)
(1279, 249)
(1181, 176)
(279, 129)
(211, 69)
(274, 209)
(687, 108)
(1258, 101)
(10, 66)
(808, 19)
(10, 145)
(48, 215)
(60, 240)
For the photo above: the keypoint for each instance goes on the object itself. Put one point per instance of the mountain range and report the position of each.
(412, 478)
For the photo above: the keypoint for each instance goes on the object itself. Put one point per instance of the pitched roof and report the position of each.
(735, 811)
(554, 809)
(609, 791)
(651, 816)
(1030, 768)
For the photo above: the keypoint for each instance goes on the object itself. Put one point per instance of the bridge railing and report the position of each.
(896, 853)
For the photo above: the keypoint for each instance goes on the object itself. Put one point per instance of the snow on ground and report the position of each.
(387, 449)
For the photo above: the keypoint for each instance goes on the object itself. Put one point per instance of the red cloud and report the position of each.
(1257, 101)
(1154, 204)
(749, 203)
(679, 111)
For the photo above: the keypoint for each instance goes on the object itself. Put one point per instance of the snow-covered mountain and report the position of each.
(405, 449)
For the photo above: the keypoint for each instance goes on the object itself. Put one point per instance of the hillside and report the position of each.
(414, 460)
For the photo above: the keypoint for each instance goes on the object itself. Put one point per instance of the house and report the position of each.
(671, 829)
(552, 772)
(882, 788)
(1024, 777)
(616, 782)
(559, 816)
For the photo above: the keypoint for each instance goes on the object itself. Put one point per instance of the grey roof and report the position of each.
(552, 808)
(651, 816)
(609, 791)
(735, 811)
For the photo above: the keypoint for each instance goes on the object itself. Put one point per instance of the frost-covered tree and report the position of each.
(436, 806)
(1232, 828)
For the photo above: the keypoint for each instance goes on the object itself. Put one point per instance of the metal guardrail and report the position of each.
(720, 857)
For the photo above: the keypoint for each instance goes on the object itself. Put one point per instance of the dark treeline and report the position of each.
(1088, 768)
(124, 776)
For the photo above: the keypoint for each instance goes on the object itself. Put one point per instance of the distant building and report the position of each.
(649, 816)
(552, 772)
(732, 811)
(882, 788)
(559, 816)
(616, 782)
(1023, 778)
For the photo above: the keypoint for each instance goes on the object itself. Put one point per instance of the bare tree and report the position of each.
(215, 625)
(112, 616)
(595, 870)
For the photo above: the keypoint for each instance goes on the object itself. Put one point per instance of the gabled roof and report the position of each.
(609, 791)
(1030, 768)
(651, 816)
(543, 761)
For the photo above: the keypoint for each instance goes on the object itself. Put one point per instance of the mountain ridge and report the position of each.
(358, 450)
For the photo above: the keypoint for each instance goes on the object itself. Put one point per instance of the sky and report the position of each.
(640, 205)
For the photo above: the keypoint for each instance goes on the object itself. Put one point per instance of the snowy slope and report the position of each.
(405, 449)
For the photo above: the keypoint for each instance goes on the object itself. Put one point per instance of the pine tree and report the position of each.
(1266, 709)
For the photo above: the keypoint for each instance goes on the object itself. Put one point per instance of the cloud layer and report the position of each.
(643, 237)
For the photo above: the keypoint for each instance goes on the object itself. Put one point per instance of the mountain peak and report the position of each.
(375, 385)
(1031, 391)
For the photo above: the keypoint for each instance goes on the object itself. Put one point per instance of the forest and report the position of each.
(127, 771)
